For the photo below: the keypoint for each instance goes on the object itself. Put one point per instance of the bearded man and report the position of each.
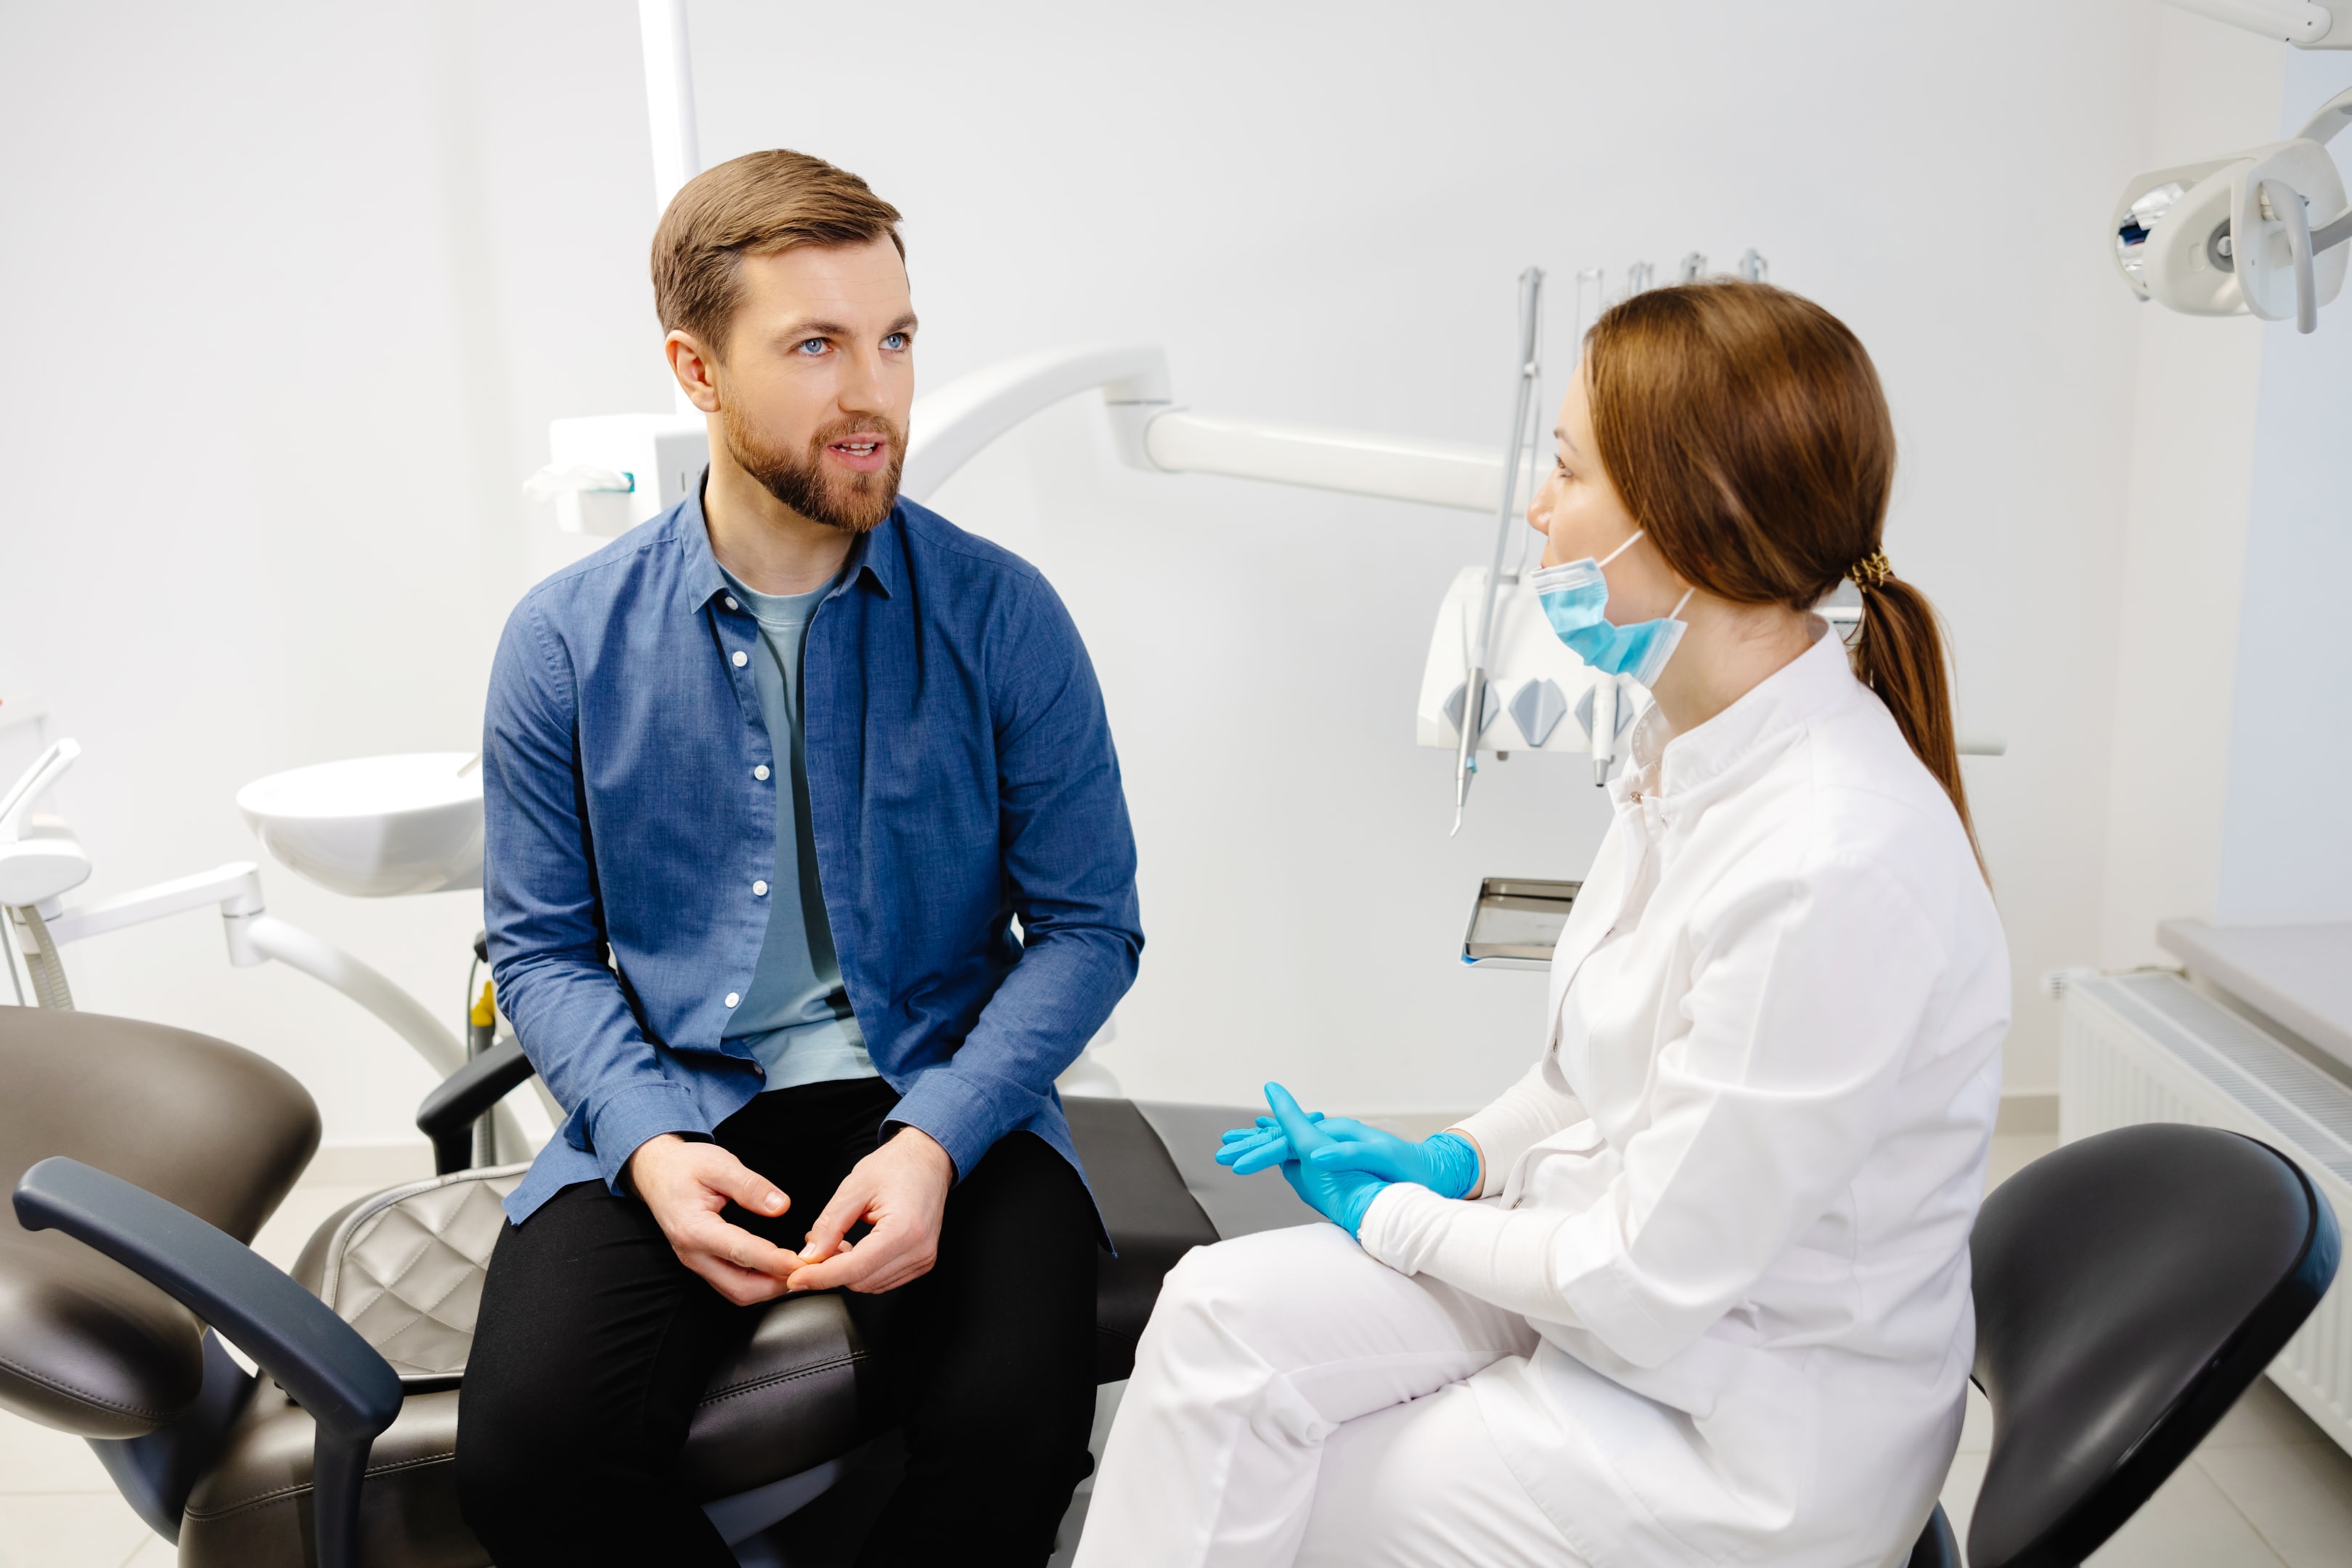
(768, 781)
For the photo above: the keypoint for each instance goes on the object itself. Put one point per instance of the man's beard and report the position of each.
(852, 503)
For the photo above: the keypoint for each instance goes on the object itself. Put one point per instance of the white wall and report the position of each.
(2211, 90)
(309, 282)
(2286, 837)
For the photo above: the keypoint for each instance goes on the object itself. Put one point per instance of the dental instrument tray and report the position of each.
(1516, 922)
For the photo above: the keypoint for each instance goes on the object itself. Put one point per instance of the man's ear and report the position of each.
(694, 368)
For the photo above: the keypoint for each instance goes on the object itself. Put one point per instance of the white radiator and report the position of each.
(2147, 1048)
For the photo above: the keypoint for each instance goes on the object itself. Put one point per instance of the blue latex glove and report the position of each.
(1249, 1150)
(1448, 1164)
(1341, 1196)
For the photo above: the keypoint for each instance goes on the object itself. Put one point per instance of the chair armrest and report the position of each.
(448, 1113)
(350, 1392)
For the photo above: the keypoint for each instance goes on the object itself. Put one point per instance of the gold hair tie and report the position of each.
(1871, 571)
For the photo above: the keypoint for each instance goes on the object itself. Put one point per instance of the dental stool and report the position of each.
(2129, 1288)
(178, 1147)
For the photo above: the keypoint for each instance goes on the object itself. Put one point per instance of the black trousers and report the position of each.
(594, 1343)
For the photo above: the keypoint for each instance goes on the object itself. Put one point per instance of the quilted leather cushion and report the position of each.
(405, 1267)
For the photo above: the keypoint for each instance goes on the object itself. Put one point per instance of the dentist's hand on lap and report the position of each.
(901, 1190)
(687, 1185)
(1340, 1196)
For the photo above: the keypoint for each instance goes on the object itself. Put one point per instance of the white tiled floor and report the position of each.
(2266, 1490)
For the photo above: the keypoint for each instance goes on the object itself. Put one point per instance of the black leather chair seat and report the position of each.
(253, 1509)
(787, 1404)
(790, 1402)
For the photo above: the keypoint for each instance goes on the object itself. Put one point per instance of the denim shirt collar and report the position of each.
(703, 581)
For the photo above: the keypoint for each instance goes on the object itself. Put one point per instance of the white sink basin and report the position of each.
(375, 826)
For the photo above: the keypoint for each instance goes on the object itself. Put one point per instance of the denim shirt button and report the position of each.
(760, 772)
(741, 659)
(732, 998)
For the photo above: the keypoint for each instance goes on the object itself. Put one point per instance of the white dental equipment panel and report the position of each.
(1540, 696)
(609, 472)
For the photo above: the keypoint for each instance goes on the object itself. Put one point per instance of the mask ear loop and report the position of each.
(1676, 613)
(1624, 547)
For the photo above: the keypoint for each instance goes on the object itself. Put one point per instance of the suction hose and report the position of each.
(41, 960)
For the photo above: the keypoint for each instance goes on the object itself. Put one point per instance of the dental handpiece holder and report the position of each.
(1539, 696)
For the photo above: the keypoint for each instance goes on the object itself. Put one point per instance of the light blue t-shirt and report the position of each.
(795, 1017)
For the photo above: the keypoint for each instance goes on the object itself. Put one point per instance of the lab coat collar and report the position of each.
(703, 581)
(1670, 773)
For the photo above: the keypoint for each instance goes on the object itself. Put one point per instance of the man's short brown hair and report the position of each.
(759, 204)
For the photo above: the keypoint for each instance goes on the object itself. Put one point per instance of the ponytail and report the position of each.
(1746, 431)
(1899, 655)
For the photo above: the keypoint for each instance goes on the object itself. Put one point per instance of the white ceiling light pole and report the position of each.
(669, 113)
(669, 97)
(2296, 22)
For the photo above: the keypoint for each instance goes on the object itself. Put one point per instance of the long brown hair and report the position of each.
(1745, 429)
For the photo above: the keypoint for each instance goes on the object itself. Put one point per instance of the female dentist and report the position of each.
(1695, 1290)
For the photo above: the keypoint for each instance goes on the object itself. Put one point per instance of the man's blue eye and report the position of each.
(811, 345)
(895, 340)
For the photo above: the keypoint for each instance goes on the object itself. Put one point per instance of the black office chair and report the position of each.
(347, 1443)
(2128, 1288)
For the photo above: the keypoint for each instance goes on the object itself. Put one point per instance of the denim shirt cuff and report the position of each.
(956, 1113)
(619, 1125)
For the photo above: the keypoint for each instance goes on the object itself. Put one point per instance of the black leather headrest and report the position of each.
(85, 1344)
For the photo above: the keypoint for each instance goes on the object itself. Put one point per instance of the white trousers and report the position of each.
(1297, 1402)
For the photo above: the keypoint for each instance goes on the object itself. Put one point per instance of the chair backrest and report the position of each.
(85, 1344)
(2128, 1288)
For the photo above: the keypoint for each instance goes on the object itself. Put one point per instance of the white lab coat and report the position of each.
(1728, 1210)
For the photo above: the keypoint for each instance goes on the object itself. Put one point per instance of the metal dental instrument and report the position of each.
(1524, 414)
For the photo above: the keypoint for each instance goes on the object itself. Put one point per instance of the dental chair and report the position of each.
(176, 1147)
(2128, 1288)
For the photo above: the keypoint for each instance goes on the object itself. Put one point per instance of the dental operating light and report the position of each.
(2260, 232)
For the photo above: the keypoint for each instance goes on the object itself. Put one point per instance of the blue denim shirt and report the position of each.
(960, 776)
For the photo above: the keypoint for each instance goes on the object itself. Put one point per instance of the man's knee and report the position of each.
(512, 1443)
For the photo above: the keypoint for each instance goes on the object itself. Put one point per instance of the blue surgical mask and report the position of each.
(1574, 595)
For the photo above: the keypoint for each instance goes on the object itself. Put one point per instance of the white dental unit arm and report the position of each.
(948, 427)
(2260, 232)
(1534, 685)
(609, 473)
